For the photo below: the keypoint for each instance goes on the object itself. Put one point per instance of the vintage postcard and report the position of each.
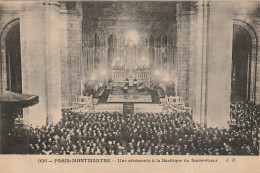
(129, 86)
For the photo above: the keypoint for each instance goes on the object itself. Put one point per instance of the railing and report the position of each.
(142, 74)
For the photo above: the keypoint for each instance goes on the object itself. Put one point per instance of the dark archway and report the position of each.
(151, 51)
(11, 79)
(112, 43)
(13, 60)
(241, 63)
(164, 43)
(11, 75)
(96, 53)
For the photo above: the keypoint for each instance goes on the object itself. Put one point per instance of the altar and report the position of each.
(119, 77)
(133, 95)
(135, 69)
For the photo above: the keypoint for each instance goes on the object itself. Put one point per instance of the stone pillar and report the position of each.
(184, 51)
(257, 68)
(201, 46)
(105, 55)
(156, 57)
(253, 74)
(71, 53)
(219, 64)
(193, 60)
(257, 85)
(214, 58)
(40, 58)
(64, 54)
(3, 80)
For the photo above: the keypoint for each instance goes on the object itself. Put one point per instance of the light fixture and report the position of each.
(132, 36)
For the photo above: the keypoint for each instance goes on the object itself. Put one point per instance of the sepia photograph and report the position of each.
(130, 78)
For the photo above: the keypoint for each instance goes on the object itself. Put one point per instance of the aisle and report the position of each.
(128, 108)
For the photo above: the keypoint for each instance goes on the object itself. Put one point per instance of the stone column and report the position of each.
(64, 54)
(257, 83)
(214, 58)
(156, 62)
(40, 55)
(105, 56)
(3, 80)
(257, 68)
(219, 64)
(192, 60)
(74, 56)
(201, 46)
(253, 74)
(184, 52)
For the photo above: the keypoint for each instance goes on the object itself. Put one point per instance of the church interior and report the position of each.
(130, 77)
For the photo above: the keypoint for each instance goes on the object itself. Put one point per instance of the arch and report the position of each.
(151, 44)
(3, 58)
(6, 29)
(13, 18)
(159, 34)
(96, 50)
(115, 34)
(145, 38)
(112, 41)
(151, 41)
(87, 43)
(100, 34)
(249, 29)
(157, 38)
(164, 40)
(253, 69)
(96, 41)
(111, 51)
(88, 39)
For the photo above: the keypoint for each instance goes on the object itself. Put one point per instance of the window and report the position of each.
(151, 50)
(111, 49)
(164, 40)
(96, 41)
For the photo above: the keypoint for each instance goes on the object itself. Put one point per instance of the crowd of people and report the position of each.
(245, 126)
(142, 134)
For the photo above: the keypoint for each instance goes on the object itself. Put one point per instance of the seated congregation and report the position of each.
(141, 134)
